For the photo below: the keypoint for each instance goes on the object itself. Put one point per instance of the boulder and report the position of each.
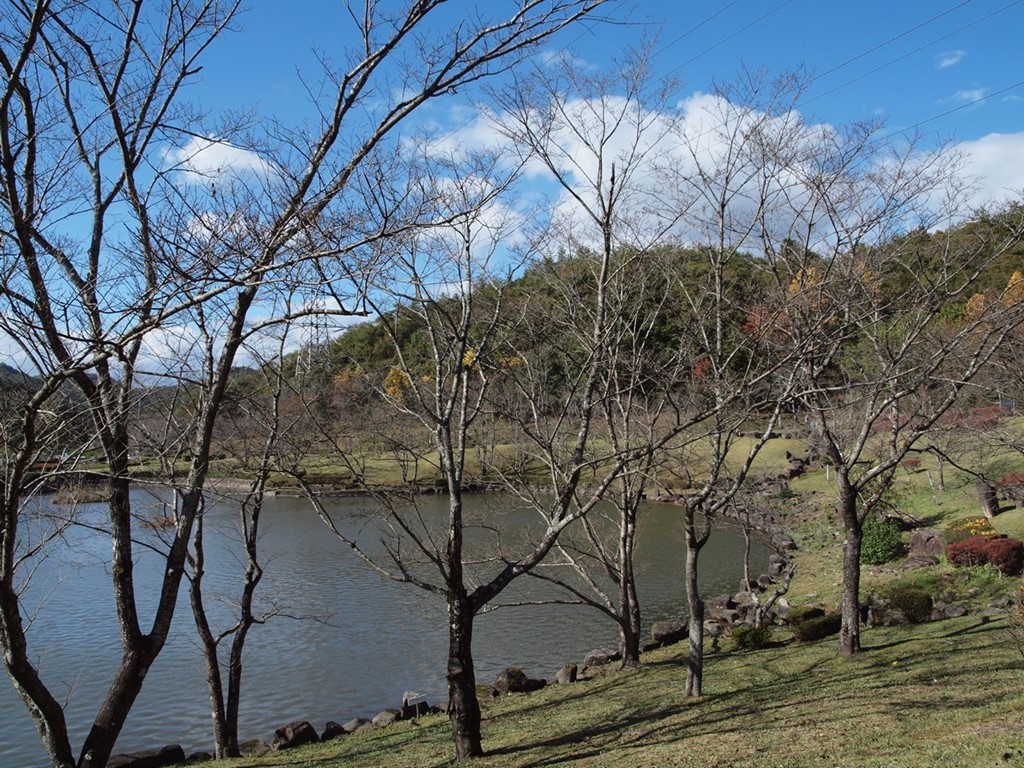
(385, 718)
(948, 611)
(599, 657)
(510, 680)
(294, 735)
(726, 616)
(333, 730)
(649, 645)
(535, 684)
(668, 632)
(149, 758)
(198, 757)
(742, 598)
(414, 705)
(720, 601)
(567, 674)
(927, 541)
(254, 748)
(919, 561)
(356, 724)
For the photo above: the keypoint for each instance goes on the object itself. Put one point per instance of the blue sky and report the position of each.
(952, 69)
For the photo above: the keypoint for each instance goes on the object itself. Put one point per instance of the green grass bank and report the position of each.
(945, 693)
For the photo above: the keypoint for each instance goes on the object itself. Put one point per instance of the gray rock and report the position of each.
(567, 674)
(198, 757)
(919, 561)
(535, 684)
(149, 758)
(668, 632)
(356, 724)
(385, 718)
(294, 735)
(742, 598)
(510, 680)
(727, 616)
(414, 705)
(254, 748)
(948, 611)
(927, 541)
(720, 601)
(333, 730)
(599, 658)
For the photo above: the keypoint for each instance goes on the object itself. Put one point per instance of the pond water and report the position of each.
(347, 642)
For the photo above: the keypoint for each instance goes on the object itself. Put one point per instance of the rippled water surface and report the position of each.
(346, 642)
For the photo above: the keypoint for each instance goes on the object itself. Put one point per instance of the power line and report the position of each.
(694, 28)
(726, 39)
(957, 108)
(905, 55)
(891, 40)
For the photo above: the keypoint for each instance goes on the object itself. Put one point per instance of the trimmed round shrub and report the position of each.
(817, 628)
(748, 638)
(802, 613)
(1004, 553)
(914, 603)
(882, 541)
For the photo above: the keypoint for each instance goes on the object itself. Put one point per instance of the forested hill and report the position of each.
(371, 345)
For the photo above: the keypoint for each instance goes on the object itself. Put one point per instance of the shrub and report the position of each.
(748, 638)
(881, 542)
(802, 613)
(1004, 553)
(915, 604)
(966, 527)
(817, 628)
(1012, 487)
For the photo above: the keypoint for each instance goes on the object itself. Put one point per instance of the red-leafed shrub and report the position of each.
(1005, 554)
(1011, 487)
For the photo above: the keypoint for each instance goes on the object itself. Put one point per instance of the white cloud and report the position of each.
(948, 59)
(996, 163)
(969, 96)
(209, 161)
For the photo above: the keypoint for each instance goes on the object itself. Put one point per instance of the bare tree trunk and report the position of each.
(695, 665)
(629, 605)
(849, 633)
(463, 705)
(46, 711)
(214, 682)
(746, 553)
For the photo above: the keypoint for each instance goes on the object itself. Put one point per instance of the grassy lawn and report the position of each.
(946, 693)
(940, 694)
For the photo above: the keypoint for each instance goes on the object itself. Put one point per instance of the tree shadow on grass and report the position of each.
(868, 685)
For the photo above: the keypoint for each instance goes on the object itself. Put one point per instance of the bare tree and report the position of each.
(868, 285)
(104, 247)
(605, 305)
(447, 288)
(737, 385)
